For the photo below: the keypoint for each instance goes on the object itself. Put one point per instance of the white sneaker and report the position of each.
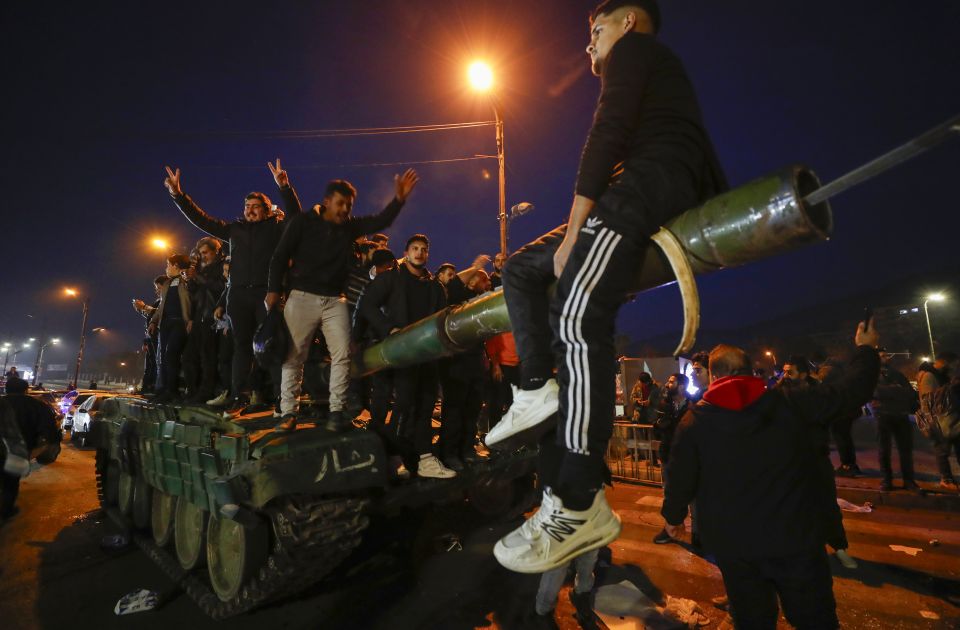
(220, 400)
(845, 559)
(528, 531)
(558, 537)
(529, 409)
(430, 466)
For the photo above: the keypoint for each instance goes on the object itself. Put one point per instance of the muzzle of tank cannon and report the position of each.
(763, 218)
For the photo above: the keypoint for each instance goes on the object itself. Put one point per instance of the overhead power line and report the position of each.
(359, 131)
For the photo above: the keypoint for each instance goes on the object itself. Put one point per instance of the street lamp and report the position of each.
(7, 349)
(933, 297)
(772, 356)
(39, 364)
(83, 332)
(160, 244)
(481, 79)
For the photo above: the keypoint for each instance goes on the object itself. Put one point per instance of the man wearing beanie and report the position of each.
(647, 159)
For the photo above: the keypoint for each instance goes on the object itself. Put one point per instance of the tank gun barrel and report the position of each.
(765, 217)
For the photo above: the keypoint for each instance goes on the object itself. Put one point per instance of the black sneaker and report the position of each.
(911, 486)
(453, 463)
(662, 538)
(339, 421)
(847, 471)
(583, 603)
(287, 423)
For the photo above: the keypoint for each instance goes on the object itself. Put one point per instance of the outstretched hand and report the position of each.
(867, 336)
(172, 182)
(481, 261)
(405, 183)
(279, 175)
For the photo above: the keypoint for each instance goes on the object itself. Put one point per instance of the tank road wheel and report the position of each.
(161, 517)
(234, 554)
(125, 493)
(190, 534)
(142, 493)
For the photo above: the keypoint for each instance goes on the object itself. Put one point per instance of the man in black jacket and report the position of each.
(893, 402)
(647, 159)
(315, 255)
(393, 300)
(252, 241)
(206, 287)
(744, 454)
(37, 422)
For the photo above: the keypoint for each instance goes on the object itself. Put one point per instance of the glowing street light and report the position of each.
(38, 366)
(933, 297)
(160, 244)
(480, 75)
(83, 332)
(481, 79)
(772, 356)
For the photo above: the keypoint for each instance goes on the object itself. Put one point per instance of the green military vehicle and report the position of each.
(240, 515)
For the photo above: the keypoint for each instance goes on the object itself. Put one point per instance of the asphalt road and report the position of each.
(53, 573)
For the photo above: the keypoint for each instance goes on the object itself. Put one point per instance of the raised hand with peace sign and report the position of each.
(172, 182)
(279, 175)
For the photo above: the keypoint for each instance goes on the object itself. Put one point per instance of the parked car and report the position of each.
(86, 414)
(52, 400)
(69, 404)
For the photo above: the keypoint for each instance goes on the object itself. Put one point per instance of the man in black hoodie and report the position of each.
(744, 454)
(647, 159)
(314, 256)
(252, 241)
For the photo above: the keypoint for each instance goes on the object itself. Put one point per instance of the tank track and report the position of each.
(311, 537)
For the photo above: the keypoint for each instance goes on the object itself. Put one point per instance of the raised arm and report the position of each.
(288, 196)
(404, 185)
(200, 219)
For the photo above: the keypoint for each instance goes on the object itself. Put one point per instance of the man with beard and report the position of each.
(395, 299)
(496, 278)
(252, 242)
(316, 253)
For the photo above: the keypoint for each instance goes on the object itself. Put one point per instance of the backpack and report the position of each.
(939, 415)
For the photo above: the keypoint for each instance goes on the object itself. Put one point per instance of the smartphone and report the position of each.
(867, 318)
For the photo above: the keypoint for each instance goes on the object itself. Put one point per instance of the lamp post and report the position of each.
(83, 333)
(933, 297)
(6, 358)
(772, 356)
(39, 364)
(481, 78)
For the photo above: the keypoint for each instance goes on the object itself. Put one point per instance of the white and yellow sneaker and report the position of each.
(527, 414)
(557, 535)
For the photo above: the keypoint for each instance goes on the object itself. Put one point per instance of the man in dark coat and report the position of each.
(252, 242)
(744, 454)
(37, 423)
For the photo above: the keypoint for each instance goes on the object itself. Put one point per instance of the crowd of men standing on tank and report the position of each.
(340, 289)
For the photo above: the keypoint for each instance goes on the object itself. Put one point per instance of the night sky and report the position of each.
(100, 96)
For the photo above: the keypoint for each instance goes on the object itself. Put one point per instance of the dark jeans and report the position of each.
(9, 489)
(832, 516)
(942, 450)
(842, 430)
(899, 428)
(224, 360)
(802, 582)
(462, 401)
(381, 395)
(416, 397)
(172, 339)
(150, 366)
(246, 310)
(200, 359)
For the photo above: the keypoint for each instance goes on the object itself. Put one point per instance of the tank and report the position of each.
(241, 515)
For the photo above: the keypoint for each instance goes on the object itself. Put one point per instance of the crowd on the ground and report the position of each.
(338, 288)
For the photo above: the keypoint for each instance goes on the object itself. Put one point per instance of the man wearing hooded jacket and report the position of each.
(743, 454)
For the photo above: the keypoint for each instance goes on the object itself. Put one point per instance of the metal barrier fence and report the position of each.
(632, 453)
